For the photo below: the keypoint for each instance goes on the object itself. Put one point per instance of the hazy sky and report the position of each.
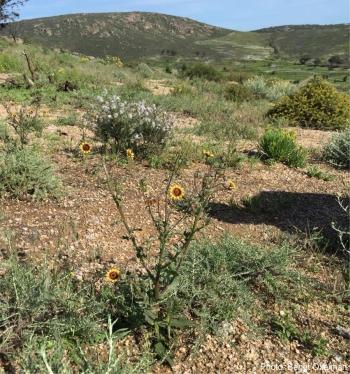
(234, 14)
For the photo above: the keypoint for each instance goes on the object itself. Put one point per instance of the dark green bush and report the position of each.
(202, 71)
(317, 105)
(280, 145)
(238, 92)
(337, 152)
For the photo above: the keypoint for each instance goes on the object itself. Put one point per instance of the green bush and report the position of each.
(269, 89)
(68, 79)
(316, 105)
(337, 152)
(238, 92)
(24, 173)
(24, 122)
(145, 70)
(279, 145)
(219, 279)
(202, 71)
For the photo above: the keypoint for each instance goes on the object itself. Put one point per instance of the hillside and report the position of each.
(147, 35)
(128, 35)
(314, 40)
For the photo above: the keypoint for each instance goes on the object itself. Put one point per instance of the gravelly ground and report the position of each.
(84, 226)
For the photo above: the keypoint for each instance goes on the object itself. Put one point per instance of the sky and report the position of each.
(234, 14)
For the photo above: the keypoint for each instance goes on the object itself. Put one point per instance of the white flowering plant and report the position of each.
(131, 125)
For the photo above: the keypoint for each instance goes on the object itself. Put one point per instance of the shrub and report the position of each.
(219, 279)
(280, 88)
(131, 125)
(335, 60)
(337, 152)
(24, 173)
(202, 71)
(270, 90)
(317, 105)
(316, 172)
(304, 59)
(144, 70)
(238, 92)
(24, 122)
(279, 145)
(68, 80)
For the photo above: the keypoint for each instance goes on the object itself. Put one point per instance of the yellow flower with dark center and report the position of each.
(113, 275)
(130, 154)
(208, 154)
(176, 192)
(85, 148)
(231, 185)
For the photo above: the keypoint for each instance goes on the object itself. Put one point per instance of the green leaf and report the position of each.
(160, 349)
(180, 323)
(150, 316)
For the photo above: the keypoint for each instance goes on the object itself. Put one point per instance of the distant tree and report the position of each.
(335, 61)
(8, 10)
(304, 59)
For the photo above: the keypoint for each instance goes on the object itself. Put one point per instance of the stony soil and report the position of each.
(83, 227)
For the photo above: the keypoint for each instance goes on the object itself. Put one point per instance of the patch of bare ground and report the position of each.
(46, 113)
(310, 138)
(158, 87)
(72, 134)
(4, 77)
(85, 220)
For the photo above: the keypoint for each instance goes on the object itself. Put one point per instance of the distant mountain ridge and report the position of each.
(134, 35)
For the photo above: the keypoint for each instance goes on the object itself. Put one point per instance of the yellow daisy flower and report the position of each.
(176, 192)
(130, 154)
(85, 148)
(231, 185)
(113, 275)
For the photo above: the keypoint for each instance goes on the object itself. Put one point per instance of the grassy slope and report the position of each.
(241, 45)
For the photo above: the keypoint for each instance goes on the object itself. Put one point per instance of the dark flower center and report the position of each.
(113, 275)
(86, 147)
(177, 192)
